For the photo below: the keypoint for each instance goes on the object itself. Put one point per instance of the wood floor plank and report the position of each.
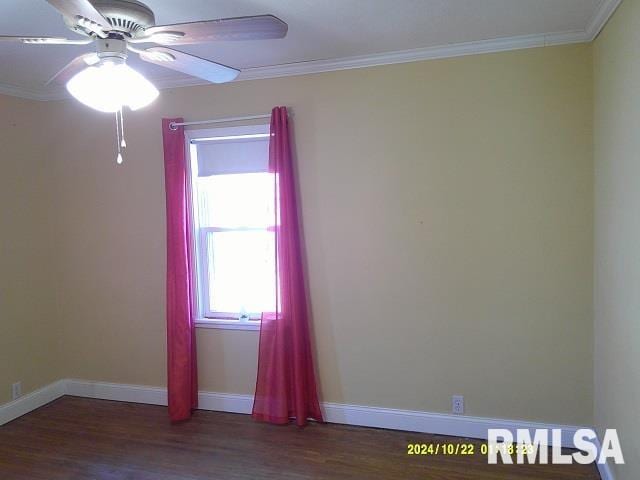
(77, 438)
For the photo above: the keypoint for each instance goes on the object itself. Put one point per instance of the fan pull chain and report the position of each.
(121, 143)
(118, 145)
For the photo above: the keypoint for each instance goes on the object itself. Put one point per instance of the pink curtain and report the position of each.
(286, 384)
(182, 374)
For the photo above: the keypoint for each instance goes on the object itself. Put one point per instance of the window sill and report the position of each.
(226, 324)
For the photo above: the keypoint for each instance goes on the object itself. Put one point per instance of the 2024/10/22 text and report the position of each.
(467, 448)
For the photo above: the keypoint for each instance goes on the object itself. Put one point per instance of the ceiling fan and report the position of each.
(116, 26)
(102, 80)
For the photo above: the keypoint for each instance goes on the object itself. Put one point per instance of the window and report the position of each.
(233, 212)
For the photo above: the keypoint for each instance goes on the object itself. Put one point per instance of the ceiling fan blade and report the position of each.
(189, 64)
(240, 28)
(44, 40)
(74, 66)
(81, 10)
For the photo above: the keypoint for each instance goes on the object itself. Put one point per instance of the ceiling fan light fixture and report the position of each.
(104, 82)
(111, 85)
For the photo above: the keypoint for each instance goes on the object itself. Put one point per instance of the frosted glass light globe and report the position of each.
(109, 86)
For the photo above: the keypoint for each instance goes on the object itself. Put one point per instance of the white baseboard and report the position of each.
(408, 420)
(31, 401)
(605, 472)
(434, 423)
(225, 402)
(116, 391)
(221, 402)
(412, 421)
(604, 469)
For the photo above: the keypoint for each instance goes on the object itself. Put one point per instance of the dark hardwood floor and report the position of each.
(75, 438)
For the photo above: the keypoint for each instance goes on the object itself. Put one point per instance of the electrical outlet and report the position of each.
(457, 404)
(16, 390)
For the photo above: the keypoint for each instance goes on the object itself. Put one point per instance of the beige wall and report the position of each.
(27, 301)
(448, 229)
(617, 245)
(448, 226)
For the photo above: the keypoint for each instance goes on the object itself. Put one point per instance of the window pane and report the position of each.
(241, 269)
(236, 200)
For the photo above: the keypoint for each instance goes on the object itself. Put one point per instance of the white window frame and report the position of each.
(204, 317)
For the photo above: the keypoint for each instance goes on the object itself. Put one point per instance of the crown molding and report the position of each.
(415, 55)
(601, 17)
(596, 24)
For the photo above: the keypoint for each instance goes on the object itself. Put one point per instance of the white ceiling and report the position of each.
(323, 34)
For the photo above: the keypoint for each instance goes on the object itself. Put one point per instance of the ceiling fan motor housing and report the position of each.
(128, 17)
(111, 48)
